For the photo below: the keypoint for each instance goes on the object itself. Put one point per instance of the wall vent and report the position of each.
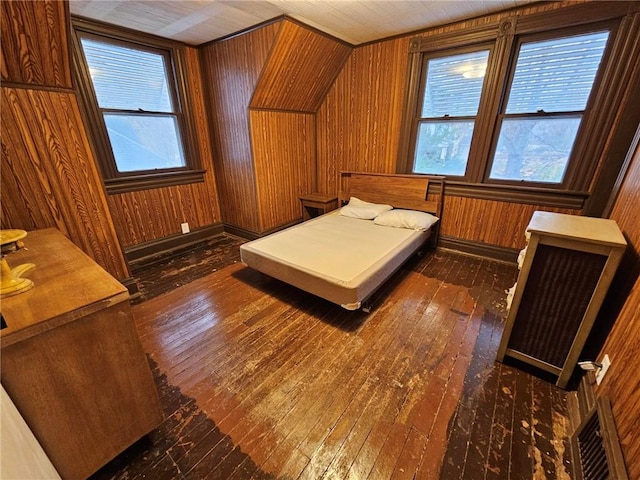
(596, 449)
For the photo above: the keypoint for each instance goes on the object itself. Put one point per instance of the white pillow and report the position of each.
(357, 208)
(412, 219)
(357, 201)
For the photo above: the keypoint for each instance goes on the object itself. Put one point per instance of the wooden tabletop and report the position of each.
(67, 285)
(319, 197)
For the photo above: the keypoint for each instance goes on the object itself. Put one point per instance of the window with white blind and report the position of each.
(451, 96)
(131, 92)
(549, 91)
(134, 96)
(507, 110)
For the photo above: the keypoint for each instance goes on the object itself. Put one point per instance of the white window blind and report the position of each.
(551, 86)
(451, 98)
(133, 94)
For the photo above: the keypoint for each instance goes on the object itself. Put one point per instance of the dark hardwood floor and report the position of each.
(260, 380)
(165, 273)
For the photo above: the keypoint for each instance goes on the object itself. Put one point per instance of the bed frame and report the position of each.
(269, 254)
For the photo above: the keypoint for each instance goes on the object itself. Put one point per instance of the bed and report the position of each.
(345, 259)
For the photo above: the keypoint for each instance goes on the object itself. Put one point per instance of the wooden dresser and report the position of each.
(72, 361)
(565, 274)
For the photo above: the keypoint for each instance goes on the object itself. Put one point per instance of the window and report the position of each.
(551, 85)
(451, 96)
(517, 110)
(131, 93)
(134, 97)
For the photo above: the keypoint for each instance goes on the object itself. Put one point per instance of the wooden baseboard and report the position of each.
(143, 251)
(251, 235)
(494, 252)
(131, 285)
(162, 246)
(240, 232)
(281, 227)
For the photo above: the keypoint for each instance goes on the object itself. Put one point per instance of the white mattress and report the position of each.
(341, 259)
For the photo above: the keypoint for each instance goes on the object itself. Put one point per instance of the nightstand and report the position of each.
(316, 204)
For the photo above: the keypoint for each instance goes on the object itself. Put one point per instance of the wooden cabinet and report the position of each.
(72, 361)
(315, 204)
(566, 271)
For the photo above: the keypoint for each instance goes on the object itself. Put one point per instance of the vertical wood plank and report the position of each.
(359, 121)
(284, 156)
(231, 69)
(49, 175)
(266, 86)
(35, 43)
(622, 382)
(490, 221)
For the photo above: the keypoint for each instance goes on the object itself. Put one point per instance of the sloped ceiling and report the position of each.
(300, 70)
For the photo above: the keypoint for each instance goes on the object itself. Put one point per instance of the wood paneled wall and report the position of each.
(359, 121)
(489, 221)
(35, 43)
(49, 175)
(265, 86)
(622, 382)
(231, 69)
(301, 68)
(148, 215)
(284, 147)
(53, 179)
(358, 129)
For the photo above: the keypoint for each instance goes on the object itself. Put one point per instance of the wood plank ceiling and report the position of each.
(199, 21)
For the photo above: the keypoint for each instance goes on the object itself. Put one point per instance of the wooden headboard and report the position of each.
(400, 191)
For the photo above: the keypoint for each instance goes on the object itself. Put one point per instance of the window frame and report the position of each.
(596, 90)
(114, 180)
(582, 188)
(418, 120)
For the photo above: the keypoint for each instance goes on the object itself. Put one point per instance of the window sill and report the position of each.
(516, 194)
(149, 181)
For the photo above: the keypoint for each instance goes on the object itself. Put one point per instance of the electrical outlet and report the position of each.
(606, 363)
(185, 227)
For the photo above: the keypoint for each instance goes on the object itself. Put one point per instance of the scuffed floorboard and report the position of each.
(261, 380)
